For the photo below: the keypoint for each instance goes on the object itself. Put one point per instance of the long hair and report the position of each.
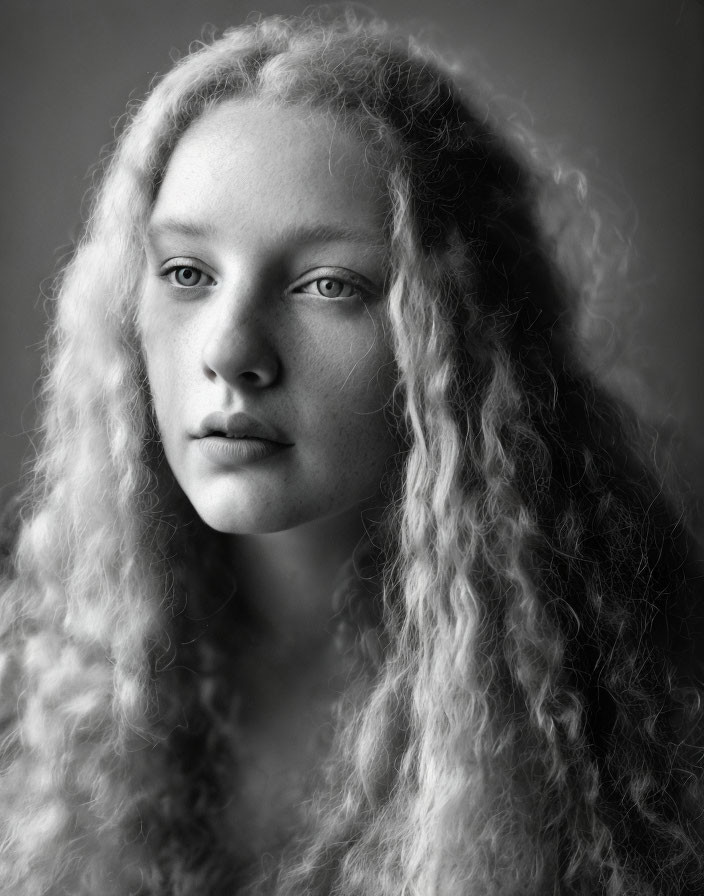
(527, 727)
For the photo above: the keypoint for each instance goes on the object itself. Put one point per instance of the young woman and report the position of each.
(340, 573)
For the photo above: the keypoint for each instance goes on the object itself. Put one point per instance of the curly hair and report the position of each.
(531, 723)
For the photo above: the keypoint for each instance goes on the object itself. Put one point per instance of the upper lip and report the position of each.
(238, 426)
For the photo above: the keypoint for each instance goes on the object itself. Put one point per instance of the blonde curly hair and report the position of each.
(529, 726)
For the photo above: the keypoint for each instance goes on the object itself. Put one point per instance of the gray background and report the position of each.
(617, 84)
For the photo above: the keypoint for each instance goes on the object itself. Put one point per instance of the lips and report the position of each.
(238, 439)
(239, 426)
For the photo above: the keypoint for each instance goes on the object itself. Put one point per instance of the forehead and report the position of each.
(243, 158)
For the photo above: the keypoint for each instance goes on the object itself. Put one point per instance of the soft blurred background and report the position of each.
(618, 85)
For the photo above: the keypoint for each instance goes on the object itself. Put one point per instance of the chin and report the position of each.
(250, 521)
(238, 517)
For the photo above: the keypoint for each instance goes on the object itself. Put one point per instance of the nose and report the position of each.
(238, 347)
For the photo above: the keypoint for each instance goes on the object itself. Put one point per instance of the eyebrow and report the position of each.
(177, 227)
(304, 233)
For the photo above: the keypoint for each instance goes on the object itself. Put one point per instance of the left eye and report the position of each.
(330, 288)
(188, 276)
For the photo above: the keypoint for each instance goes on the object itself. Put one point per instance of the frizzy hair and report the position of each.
(526, 730)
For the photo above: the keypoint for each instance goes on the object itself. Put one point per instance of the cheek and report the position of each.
(349, 359)
(355, 388)
(163, 375)
(370, 375)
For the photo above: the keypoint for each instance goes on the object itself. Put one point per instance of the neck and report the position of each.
(288, 578)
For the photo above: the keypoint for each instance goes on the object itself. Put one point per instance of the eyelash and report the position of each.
(171, 272)
(356, 290)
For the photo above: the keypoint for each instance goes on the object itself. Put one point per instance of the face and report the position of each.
(263, 319)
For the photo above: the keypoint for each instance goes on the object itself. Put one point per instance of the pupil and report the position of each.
(331, 288)
(186, 275)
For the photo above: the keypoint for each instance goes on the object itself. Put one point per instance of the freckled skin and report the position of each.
(257, 206)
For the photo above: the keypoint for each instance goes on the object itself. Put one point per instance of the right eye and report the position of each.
(185, 275)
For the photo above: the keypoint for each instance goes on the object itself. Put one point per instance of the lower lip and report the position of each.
(238, 452)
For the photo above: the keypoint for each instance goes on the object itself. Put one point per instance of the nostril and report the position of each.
(240, 355)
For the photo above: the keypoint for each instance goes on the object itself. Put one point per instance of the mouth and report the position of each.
(238, 439)
(239, 426)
